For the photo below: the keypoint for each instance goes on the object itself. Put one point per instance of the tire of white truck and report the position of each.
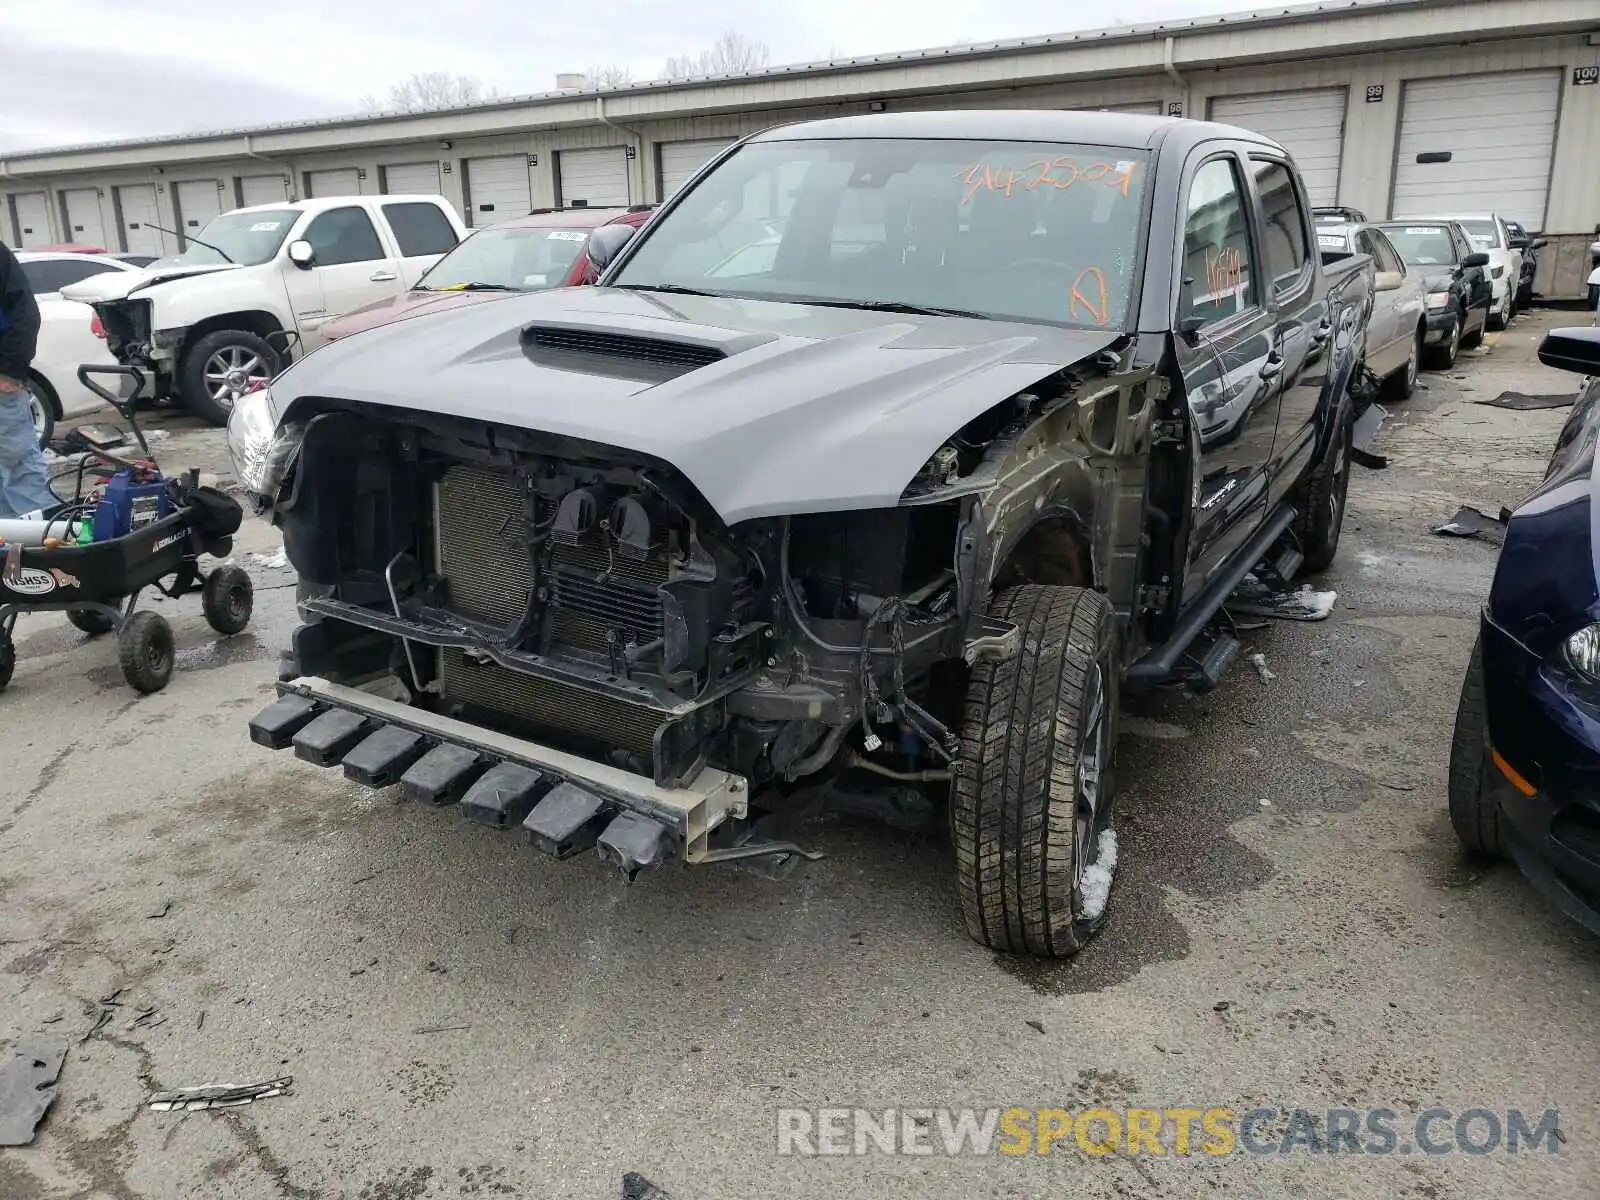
(1030, 808)
(220, 365)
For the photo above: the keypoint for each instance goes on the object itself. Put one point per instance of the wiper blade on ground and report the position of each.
(898, 306)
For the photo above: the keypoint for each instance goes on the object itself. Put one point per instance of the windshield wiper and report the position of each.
(897, 306)
(673, 288)
(191, 237)
(475, 287)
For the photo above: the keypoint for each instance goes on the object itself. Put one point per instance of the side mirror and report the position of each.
(1388, 281)
(1572, 349)
(606, 243)
(1540, 243)
(1479, 259)
(302, 255)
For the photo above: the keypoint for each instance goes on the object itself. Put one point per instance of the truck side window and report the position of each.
(344, 235)
(1217, 270)
(1283, 216)
(419, 228)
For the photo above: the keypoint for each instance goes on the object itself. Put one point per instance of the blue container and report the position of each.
(126, 506)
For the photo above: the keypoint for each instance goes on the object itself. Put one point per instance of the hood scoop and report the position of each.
(606, 352)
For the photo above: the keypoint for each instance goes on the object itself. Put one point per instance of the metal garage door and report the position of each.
(594, 178)
(497, 189)
(1310, 125)
(1488, 140)
(137, 204)
(198, 201)
(411, 179)
(84, 224)
(262, 189)
(33, 219)
(342, 182)
(1148, 108)
(680, 160)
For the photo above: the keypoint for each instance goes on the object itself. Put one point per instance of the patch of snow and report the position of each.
(1368, 559)
(1319, 604)
(1259, 662)
(275, 561)
(1097, 876)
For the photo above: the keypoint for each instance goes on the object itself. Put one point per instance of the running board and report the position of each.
(1160, 665)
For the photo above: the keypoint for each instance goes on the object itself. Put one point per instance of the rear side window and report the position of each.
(51, 275)
(1217, 269)
(1284, 228)
(419, 228)
(344, 235)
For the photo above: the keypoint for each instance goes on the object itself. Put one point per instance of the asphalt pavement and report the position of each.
(1293, 927)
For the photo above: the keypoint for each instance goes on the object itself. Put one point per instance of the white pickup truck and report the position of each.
(205, 324)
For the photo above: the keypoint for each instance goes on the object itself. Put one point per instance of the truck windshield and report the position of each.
(514, 259)
(247, 238)
(1423, 245)
(1027, 231)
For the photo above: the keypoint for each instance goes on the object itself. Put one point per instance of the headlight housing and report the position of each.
(261, 452)
(1583, 652)
(1438, 300)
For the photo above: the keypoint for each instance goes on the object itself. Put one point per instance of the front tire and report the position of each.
(1033, 795)
(1442, 358)
(1402, 385)
(1474, 813)
(145, 651)
(1499, 318)
(220, 366)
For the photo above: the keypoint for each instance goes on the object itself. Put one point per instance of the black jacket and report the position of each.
(19, 318)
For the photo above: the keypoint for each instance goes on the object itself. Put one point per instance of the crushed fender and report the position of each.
(28, 1082)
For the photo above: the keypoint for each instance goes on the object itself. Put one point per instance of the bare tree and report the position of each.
(597, 79)
(424, 90)
(729, 54)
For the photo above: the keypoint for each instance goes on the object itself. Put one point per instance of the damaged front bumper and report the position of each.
(564, 802)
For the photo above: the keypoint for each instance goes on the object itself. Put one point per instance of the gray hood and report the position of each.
(810, 410)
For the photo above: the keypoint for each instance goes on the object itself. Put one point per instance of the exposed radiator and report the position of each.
(594, 591)
(547, 705)
(481, 543)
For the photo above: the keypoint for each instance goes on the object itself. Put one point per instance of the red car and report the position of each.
(544, 249)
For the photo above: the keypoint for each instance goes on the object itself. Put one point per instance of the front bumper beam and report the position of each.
(500, 780)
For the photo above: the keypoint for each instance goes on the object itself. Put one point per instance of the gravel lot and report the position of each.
(1293, 926)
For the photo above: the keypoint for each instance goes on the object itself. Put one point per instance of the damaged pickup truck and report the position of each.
(897, 445)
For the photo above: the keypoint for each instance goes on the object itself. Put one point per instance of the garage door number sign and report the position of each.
(1585, 76)
(1374, 93)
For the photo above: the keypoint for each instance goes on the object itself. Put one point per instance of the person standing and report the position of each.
(24, 483)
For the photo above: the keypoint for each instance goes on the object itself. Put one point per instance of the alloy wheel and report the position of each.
(232, 371)
(1091, 767)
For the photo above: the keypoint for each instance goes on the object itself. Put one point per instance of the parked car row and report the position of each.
(258, 286)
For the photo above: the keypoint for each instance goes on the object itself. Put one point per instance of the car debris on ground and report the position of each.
(219, 1095)
(1469, 522)
(1521, 402)
(28, 1083)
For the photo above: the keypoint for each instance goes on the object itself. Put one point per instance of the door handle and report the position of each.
(382, 276)
(1273, 367)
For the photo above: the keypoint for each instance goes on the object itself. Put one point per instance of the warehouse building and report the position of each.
(1394, 107)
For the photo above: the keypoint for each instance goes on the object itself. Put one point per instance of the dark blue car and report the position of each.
(1525, 761)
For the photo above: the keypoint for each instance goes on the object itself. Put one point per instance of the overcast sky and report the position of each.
(98, 70)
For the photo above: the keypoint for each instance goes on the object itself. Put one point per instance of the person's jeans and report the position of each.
(24, 483)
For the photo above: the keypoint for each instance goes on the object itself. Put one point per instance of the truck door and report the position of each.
(1305, 330)
(1225, 352)
(351, 268)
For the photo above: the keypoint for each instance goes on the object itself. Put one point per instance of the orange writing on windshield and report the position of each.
(1089, 296)
(1058, 173)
